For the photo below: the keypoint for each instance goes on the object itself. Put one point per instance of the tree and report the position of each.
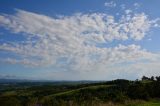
(158, 78)
(145, 78)
(152, 78)
(9, 101)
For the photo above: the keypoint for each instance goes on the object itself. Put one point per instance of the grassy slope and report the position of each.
(71, 92)
(151, 103)
(92, 88)
(77, 90)
(135, 103)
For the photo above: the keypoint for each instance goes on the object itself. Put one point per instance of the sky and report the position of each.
(79, 39)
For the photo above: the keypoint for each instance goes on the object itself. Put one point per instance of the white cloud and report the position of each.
(128, 11)
(136, 5)
(94, 27)
(110, 4)
(71, 41)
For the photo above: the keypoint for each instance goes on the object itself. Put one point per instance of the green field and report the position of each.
(151, 103)
(118, 92)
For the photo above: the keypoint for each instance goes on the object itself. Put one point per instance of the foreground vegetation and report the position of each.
(120, 92)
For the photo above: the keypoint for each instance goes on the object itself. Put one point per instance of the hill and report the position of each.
(118, 92)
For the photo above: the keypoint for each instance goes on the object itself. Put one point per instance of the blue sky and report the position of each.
(79, 40)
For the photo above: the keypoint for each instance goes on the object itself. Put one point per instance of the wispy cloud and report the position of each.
(71, 41)
(110, 4)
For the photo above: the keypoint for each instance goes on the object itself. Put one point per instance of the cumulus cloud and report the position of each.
(71, 41)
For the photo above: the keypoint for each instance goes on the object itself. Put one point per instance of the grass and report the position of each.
(133, 103)
(151, 103)
(154, 102)
(76, 90)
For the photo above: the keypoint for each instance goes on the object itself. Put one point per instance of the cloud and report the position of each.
(7, 76)
(110, 4)
(94, 27)
(70, 42)
(136, 5)
(128, 11)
